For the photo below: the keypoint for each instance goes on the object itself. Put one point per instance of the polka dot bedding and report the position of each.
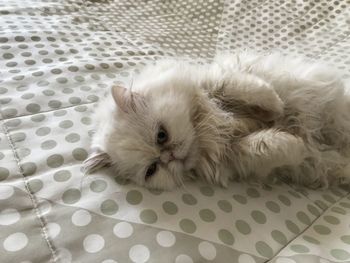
(59, 57)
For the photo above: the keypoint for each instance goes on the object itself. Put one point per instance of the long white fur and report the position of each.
(244, 114)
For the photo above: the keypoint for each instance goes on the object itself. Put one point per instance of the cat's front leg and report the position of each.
(252, 93)
(260, 152)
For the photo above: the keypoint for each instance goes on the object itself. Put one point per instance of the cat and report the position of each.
(243, 115)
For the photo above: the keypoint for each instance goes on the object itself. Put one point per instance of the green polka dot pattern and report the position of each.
(58, 58)
(287, 31)
(331, 225)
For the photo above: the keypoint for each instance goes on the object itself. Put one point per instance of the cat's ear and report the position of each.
(126, 100)
(97, 159)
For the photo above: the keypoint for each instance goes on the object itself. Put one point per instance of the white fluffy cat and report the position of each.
(242, 115)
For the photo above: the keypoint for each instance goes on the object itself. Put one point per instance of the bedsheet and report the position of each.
(58, 58)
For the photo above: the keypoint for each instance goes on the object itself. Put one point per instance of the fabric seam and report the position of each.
(302, 232)
(106, 25)
(224, 4)
(32, 197)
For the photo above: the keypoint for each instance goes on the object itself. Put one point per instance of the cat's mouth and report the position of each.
(189, 161)
(178, 159)
(186, 156)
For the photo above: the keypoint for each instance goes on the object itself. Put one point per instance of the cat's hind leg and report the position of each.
(260, 152)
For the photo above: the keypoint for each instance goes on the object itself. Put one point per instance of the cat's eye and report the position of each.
(162, 136)
(151, 170)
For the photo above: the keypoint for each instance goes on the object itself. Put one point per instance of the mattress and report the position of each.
(59, 57)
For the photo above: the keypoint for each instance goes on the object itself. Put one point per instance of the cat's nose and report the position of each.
(166, 157)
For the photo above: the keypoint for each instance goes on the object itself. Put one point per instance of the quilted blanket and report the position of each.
(58, 58)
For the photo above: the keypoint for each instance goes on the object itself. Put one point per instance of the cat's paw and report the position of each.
(96, 160)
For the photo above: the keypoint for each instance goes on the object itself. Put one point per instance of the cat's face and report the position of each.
(152, 140)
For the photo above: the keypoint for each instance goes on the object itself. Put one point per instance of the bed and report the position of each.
(59, 57)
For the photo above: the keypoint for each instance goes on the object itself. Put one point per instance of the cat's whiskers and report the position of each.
(178, 178)
(182, 184)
